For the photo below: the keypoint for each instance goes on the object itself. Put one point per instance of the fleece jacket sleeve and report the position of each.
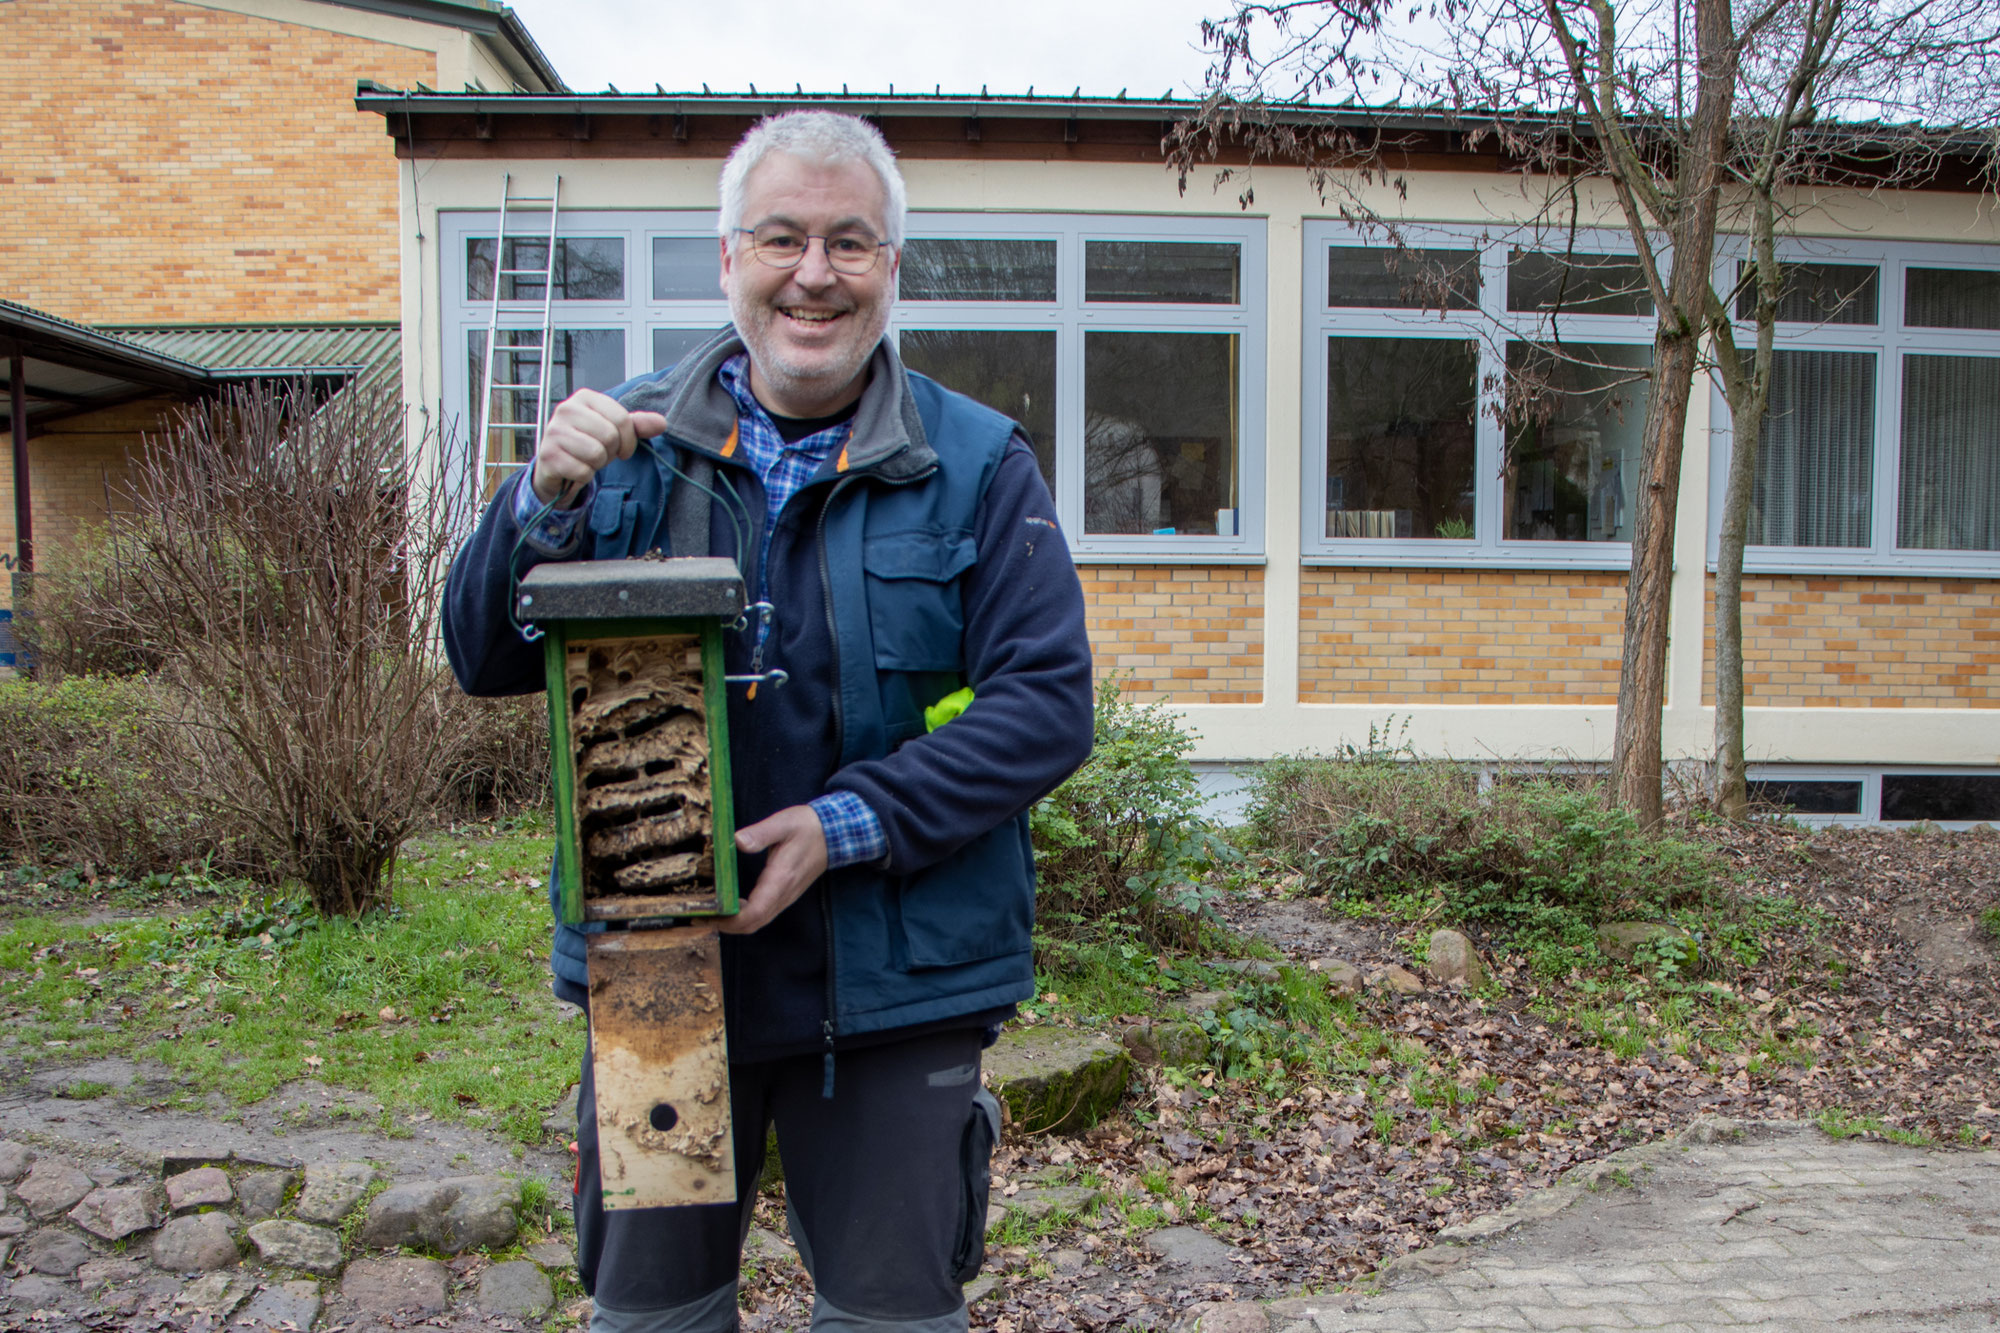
(1028, 661)
(487, 654)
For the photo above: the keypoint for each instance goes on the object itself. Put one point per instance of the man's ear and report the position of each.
(727, 259)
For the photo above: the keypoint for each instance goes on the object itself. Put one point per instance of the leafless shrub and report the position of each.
(87, 780)
(282, 566)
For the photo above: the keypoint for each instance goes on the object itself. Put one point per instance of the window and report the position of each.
(627, 292)
(1480, 403)
(1881, 448)
(1129, 351)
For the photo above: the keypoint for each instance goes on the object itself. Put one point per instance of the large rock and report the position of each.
(1035, 1202)
(196, 1243)
(262, 1193)
(1621, 939)
(1174, 1043)
(289, 1306)
(562, 1120)
(1223, 1317)
(1056, 1078)
(1194, 1254)
(1341, 977)
(516, 1288)
(12, 1226)
(1402, 981)
(99, 1273)
(395, 1286)
(201, 1186)
(56, 1253)
(299, 1245)
(15, 1159)
(1453, 960)
(332, 1189)
(551, 1254)
(452, 1215)
(117, 1211)
(54, 1186)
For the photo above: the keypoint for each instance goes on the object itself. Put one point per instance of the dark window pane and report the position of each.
(1576, 284)
(1818, 294)
(584, 359)
(587, 268)
(1574, 425)
(1949, 498)
(1009, 370)
(1940, 796)
(936, 269)
(1816, 460)
(1807, 797)
(1163, 272)
(1402, 279)
(1400, 418)
(670, 345)
(687, 268)
(1159, 432)
(1952, 298)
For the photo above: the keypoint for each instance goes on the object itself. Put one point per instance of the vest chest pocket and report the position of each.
(915, 614)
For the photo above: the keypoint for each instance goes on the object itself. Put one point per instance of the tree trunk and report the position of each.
(1732, 787)
(1642, 678)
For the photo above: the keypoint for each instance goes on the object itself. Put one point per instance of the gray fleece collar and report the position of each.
(888, 435)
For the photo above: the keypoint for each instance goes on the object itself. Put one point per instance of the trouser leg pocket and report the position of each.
(982, 1131)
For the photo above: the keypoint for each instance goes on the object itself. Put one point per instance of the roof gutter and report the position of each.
(477, 17)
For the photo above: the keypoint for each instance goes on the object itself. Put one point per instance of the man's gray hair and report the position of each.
(825, 137)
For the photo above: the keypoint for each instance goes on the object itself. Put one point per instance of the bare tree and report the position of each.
(1671, 104)
(1910, 88)
(283, 567)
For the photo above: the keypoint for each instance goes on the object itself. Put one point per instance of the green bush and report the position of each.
(87, 778)
(1541, 856)
(1119, 845)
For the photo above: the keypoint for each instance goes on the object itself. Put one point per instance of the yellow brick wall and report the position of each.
(1865, 643)
(68, 471)
(1193, 634)
(1459, 636)
(166, 163)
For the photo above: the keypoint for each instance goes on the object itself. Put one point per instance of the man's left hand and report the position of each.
(795, 847)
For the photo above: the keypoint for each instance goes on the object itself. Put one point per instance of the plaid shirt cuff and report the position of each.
(555, 534)
(853, 833)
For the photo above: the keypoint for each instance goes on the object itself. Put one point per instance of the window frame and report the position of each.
(639, 315)
(636, 314)
(1490, 327)
(1072, 318)
(1891, 342)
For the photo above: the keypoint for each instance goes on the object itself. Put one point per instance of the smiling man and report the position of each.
(909, 550)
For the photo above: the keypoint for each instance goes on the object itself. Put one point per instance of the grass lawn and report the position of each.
(440, 1005)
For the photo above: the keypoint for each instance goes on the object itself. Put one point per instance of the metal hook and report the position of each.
(764, 612)
(774, 678)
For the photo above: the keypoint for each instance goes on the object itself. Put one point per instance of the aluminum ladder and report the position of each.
(517, 455)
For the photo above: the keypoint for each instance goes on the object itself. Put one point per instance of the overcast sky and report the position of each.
(1055, 46)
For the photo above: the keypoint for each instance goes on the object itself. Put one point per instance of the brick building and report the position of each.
(1296, 501)
(193, 178)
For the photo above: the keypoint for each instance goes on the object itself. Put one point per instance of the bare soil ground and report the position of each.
(1881, 1009)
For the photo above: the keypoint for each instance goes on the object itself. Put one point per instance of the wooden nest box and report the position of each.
(645, 848)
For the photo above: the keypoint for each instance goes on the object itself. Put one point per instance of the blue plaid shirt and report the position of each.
(853, 833)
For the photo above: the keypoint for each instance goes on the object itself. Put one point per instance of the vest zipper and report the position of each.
(840, 738)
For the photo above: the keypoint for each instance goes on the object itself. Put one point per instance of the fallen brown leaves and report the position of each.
(1880, 1004)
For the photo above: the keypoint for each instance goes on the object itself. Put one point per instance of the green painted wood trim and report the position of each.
(562, 755)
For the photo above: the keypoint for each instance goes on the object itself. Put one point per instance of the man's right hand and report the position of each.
(587, 431)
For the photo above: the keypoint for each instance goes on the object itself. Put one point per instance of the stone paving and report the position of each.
(1769, 1226)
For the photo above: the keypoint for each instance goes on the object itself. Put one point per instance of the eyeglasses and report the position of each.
(852, 252)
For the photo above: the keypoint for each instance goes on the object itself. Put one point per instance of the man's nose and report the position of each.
(814, 270)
